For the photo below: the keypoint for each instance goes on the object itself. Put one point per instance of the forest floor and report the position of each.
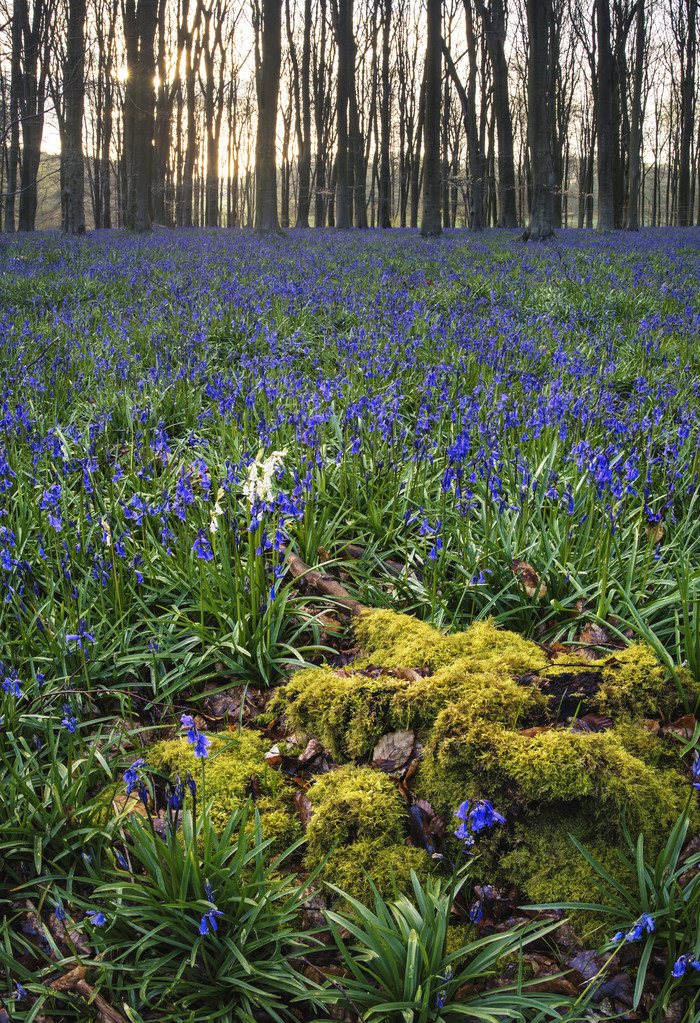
(217, 453)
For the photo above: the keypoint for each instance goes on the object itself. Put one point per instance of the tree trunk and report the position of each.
(494, 26)
(384, 211)
(268, 87)
(140, 23)
(632, 212)
(15, 88)
(430, 223)
(541, 223)
(74, 96)
(344, 27)
(606, 204)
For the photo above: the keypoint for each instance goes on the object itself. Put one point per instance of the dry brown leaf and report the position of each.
(683, 728)
(529, 579)
(68, 981)
(304, 807)
(393, 751)
(530, 733)
(655, 532)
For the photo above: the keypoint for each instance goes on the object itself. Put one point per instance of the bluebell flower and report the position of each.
(20, 992)
(208, 921)
(476, 912)
(68, 721)
(202, 549)
(682, 964)
(644, 923)
(131, 775)
(195, 738)
(97, 917)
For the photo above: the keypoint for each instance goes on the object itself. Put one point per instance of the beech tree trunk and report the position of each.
(268, 87)
(431, 225)
(632, 211)
(344, 19)
(494, 25)
(606, 201)
(140, 23)
(541, 222)
(384, 211)
(74, 96)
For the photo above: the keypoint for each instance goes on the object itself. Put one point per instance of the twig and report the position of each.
(74, 981)
(335, 984)
(324, 584)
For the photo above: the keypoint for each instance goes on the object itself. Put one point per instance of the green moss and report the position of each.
(634, 683)
(402, 641)
(350, 712)
(350, 805)
(388, 867)
(228, 769)
(546, 865)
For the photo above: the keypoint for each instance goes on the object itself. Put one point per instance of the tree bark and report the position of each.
(431, 225)
(541, 222)
(384, 211)
(606, 203)
(632, 212)
(268, 86)
(344, 24)
(494, 25)
(140, 23)
(74, 96)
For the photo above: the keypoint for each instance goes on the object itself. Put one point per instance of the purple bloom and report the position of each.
(209, 921)
(68, 721)
(202, 549)
(131, 775)
(98, 919)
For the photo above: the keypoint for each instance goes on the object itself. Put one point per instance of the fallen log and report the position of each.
(325, 585)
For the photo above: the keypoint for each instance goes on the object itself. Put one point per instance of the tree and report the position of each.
(267, 76)
(343, 12)
(140, 23)
(74, 96)
(431, 225)
(606, 207)
(541, 222)
(384, 218)
(632, 210)
(494, 22)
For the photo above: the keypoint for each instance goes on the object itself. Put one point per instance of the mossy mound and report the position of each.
(402, 641)
(360, 823)
(354, 804)
(233, 760)
(474, 710)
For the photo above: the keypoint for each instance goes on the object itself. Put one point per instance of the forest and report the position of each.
(339, 113)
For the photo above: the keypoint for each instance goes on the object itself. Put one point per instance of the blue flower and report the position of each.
(682, 964)
(476, 912)
(68, 721)
(98, 919)
(202, 549)
(195, 738)
(131, 775)
(20, 992)
(209, 921)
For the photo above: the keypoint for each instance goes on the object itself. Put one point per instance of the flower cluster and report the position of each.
(645, 924)
(475, 815)
(195, 738)
(208, 921)
(682, 964)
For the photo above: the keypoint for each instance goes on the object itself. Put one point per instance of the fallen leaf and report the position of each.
(314, 748)
(393, 751)
(683, 728)
(530, 733)
(304, 807)
(655, 532)
(529, 579)
(591, 723)
(226, 704)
